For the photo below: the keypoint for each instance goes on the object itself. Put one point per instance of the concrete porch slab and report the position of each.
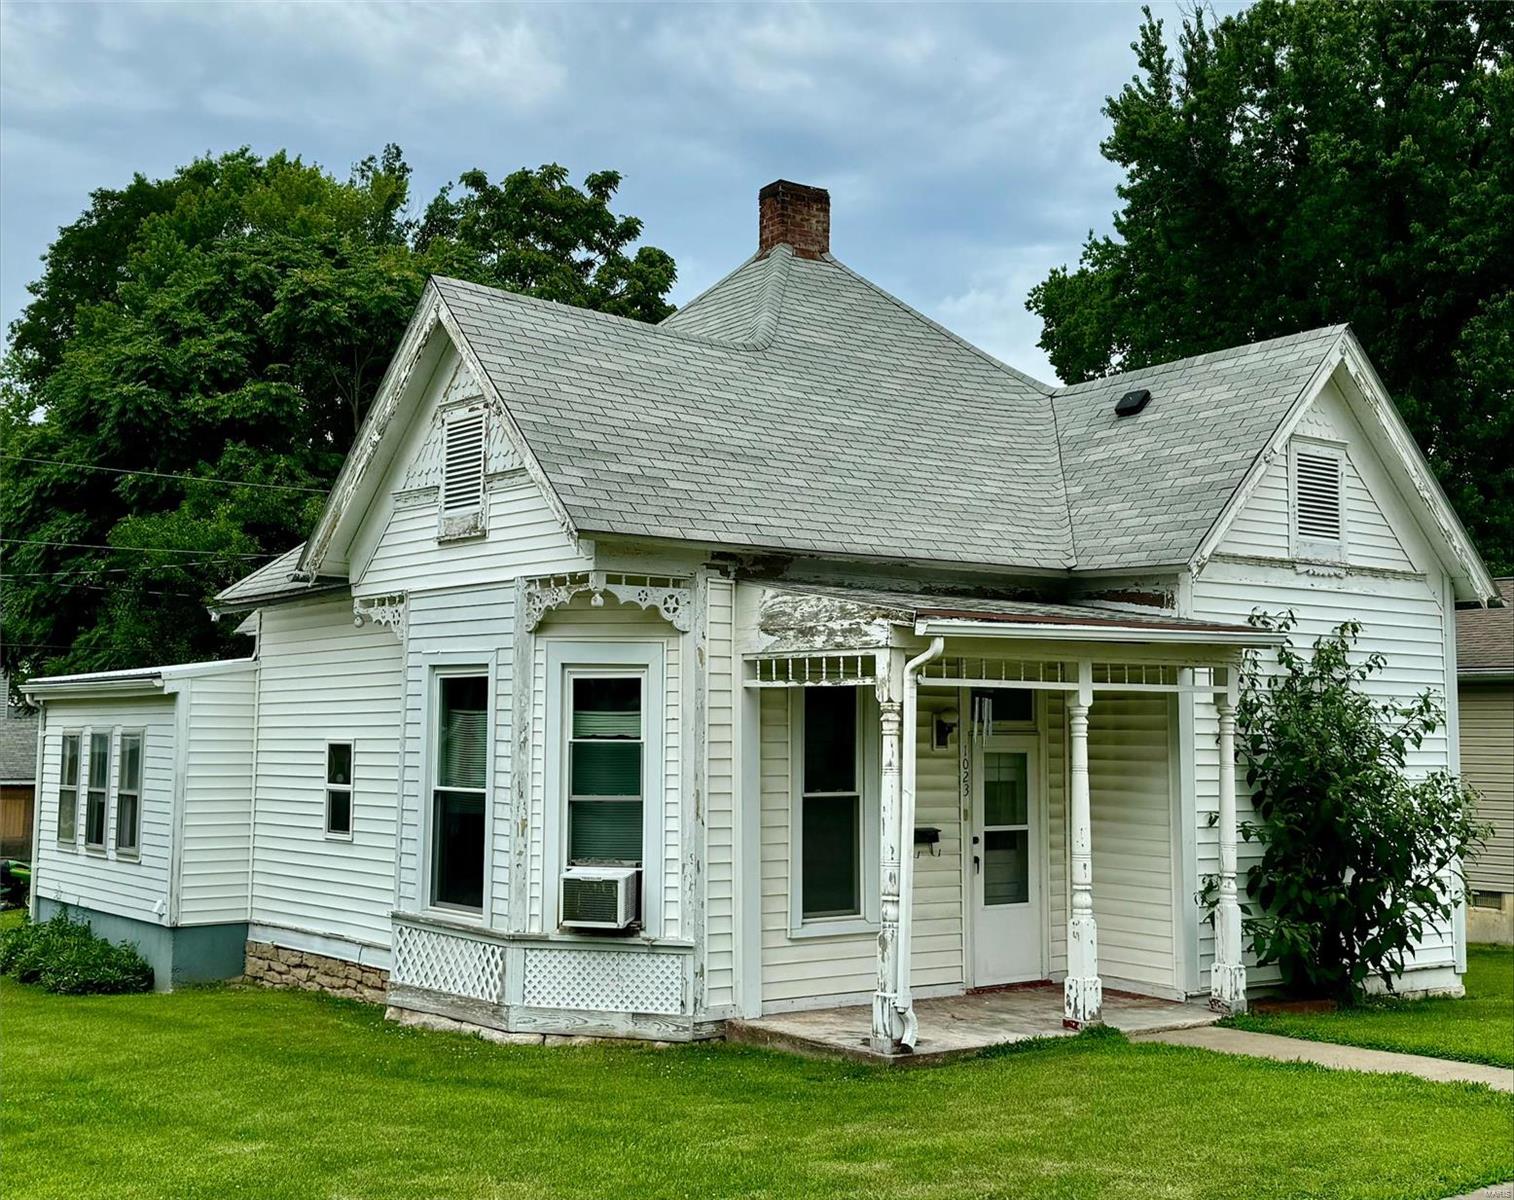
(959, 1026)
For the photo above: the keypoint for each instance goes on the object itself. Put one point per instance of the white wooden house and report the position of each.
(792, 653)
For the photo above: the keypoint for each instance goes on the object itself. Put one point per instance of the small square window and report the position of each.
(339, 789)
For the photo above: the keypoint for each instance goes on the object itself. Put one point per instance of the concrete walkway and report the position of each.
(1329, 1054)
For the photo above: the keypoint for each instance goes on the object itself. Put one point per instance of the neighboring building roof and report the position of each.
(271, 582)
(1485, 637)
(18, 742)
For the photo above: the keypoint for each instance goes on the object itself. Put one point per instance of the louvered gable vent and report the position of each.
(462, 498)
(1317, 493)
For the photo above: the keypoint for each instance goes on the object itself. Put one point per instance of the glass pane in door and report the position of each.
(1006, 789)
(1006, 867)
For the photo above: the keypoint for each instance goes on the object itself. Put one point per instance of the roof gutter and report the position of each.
(1051, 631)
(65, 686)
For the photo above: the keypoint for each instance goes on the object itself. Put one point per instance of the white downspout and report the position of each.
(910, 737)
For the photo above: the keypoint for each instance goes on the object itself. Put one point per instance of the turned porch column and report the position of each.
(888, 1021)
(1227, 977)
(1083, 994)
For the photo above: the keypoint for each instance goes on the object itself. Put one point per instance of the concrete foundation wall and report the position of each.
(1486, 923)
(178, 956)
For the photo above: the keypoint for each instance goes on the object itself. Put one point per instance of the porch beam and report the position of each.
(1227, 977)
(1082, 992)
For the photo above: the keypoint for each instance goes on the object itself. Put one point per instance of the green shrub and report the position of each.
(65, 956)
(1359, 853)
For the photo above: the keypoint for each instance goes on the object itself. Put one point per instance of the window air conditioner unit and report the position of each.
(601, 897)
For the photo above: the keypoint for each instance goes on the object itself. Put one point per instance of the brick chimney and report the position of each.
(795, 215)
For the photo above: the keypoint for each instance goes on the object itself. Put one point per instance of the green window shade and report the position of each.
(1006, 793)
(830, 739)
(591, 724)
(464, 730)
(831, 870)
(606, 768)
(604, 831)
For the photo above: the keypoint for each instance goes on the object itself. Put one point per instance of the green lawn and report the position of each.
(231, 1092)
(1477, 1028)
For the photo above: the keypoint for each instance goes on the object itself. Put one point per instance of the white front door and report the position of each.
(1004, 863)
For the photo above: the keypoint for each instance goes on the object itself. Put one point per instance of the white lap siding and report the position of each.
(325, 680)
(457, 628)
(101, 879)
(817, 971)
(720, 798)
(217, 821)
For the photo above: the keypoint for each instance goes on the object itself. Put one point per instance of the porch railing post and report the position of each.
(1227, 977)
(1083, 994)
(888, 1021)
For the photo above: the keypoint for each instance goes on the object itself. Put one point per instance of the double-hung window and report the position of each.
(606, 750)
(339, 789)
(831, 809)
(459, 793)
(98, 791)
(68, 790)
(129, 796)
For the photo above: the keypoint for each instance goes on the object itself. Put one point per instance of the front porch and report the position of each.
(960, 1026)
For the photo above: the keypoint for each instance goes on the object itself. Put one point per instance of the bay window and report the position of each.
(459, 793)
(605, 757)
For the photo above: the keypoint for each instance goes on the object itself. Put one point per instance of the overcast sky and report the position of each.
(959, 144)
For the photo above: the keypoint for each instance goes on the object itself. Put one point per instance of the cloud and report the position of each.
(960, 143)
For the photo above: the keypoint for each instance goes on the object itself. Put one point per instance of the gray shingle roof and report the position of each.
(858, 427)
(1485, 636)
(794, 406)
(1144, 490)
(18, 741)
(272, 581)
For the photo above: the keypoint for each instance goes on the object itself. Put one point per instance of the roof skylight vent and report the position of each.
(1132, 402)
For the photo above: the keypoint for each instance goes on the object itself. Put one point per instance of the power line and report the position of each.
(58, 462)
(144, 549)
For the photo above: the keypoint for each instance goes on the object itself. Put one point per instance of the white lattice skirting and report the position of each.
(444, 962)
(603, 981)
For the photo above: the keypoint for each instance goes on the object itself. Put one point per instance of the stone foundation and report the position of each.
(440, 1024)
(279, 966)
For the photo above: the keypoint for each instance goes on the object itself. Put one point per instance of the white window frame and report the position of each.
(132, 853)
(450, 667)
(77, 787)
(869, 783)
(1311, 549)
(567, 660)
(350, 787)
(466, 521)
(88, 764)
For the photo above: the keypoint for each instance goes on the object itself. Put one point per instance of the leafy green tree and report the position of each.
(536, 233)
(197, 357)
(1358, 858)
(1297, 165)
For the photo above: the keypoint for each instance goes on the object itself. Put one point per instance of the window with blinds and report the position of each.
(68, 791)
(459, 792)
(605, 772)
(129, 796)
(462, 496)
(96, 794)
(1318, 502)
